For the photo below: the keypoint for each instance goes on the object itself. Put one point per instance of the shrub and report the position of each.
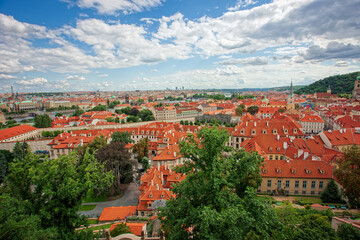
(121, 228)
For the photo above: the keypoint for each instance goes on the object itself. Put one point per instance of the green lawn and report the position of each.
(95, 199)
(308, 200)
(106, 226)
(93, 221)
(87, 207)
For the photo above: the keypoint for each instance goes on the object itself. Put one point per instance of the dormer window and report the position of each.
(264, 131)
(150, 195)
(152, 132)
(307, 171)
(133, 132)
(293, 171)
(162, 196)
(278, 149)
(322, 171)
(147, 132)
(142, 132)
(264, 170)
(285, 130)
(274, 131)
(177, 177)
(270, 149)
(253, 132)
(295, 130)
(242, 131)
(278, 170)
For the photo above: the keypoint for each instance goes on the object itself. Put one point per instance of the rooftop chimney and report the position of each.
(152, 182)
(254, 124)
(285, 145)
(300, 152)
(246, 124)
(267, 123)
(306, 155)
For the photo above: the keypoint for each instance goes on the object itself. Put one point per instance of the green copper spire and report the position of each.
(291, 90)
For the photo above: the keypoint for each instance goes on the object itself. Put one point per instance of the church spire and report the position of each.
(291, 89)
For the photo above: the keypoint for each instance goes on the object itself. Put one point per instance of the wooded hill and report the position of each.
(339, 84)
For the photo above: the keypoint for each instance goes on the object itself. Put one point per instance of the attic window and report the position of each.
(285, 130)
(133, 132)
(147, 132)
(293, 171)
(253, 132)
(142, 132)
(195, 131)
(295, 130)
(322, 171)
(242, 131)
(274, 131)
(270, 149)
(161, 125)
(152, 132)
(278, 149)
(177, 177)
(264, 171)
(264, 131)
(150, 195)
(162, 196)
(278, 170)
(307, 171)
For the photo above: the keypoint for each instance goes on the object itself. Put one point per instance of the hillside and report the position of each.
(338, 84)
(286, 88)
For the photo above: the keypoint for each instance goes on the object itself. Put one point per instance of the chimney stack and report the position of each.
(285, 145)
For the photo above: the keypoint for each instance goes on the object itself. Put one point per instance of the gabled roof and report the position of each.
(15, 131)
(117, 213)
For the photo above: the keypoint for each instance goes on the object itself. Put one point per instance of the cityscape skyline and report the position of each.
(108, 45)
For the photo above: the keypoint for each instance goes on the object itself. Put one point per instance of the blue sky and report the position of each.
(70, 45)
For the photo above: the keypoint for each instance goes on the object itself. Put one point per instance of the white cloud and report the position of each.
(103, 75)
(242, 3)
(35, 81)
(113, 6)
(75, 77)
(6, 76)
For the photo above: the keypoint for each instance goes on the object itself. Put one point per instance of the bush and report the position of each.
(121, 228)
(348, 232)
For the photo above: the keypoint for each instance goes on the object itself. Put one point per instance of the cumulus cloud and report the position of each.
(6, 76)
(113, 6)
(246, 61)
(75, 77)
(35, 81)
(103, 75)
(334, 50)
(242, 3)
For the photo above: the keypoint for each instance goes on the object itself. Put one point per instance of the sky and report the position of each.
(120, 45)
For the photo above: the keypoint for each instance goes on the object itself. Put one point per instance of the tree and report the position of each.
(240, 110)
(77, 113)
(58, 114)
(134, 112)
(6, 157)
(145, 163)
(133, 119)
(315, 226)
(146, 115)
(116, 158)
(117, 120)
(92, 146)
(120, 228)
(141, 148)
(20, 150)
(52, 190)
(42, 121)
(253, 110)
(348, 174)
(99, 108)
(348, 232)
(206, 205)
(331, 193)
(124, 137)
(110, 119)
(182, 122)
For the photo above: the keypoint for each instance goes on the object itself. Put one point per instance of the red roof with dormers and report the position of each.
(171, 152)
(312, 118)
(347, 136)
(15, 131)
(150, 196)
(297, 169)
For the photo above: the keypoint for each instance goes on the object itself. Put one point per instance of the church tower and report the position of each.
(290, 99)
(356, 91)
(329, 89)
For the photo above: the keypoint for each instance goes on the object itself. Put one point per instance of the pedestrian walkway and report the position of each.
(130, 198)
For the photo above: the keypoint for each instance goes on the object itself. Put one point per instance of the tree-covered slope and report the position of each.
(338, 84)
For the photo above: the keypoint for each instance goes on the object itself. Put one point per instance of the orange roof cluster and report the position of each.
(135, 228)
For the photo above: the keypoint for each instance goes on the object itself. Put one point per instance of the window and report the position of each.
(296, 192)
(271, 157)
(321, 185)
(258, 190)
(296, 184)
(304, 184)
(287, 184)
(276, 157)
(269, 183)
(313, 184)
(268, 191)
(279, 184)
(287, 191)
(319, 192)
(281, 157)
(312, 192)
(304, 192)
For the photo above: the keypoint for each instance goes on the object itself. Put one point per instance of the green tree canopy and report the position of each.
(99, 108)
(253, 110)
(331, 193)
(42, 121)
(124, 137)
(240, 110)
(348, 232)
(141, 148)
(116, 158)
(146, 115)
(348, 174)
(217, 199)
(120, 228)
(51, 191)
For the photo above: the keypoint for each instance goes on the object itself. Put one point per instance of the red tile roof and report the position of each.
(117, 213)
(15, 131)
